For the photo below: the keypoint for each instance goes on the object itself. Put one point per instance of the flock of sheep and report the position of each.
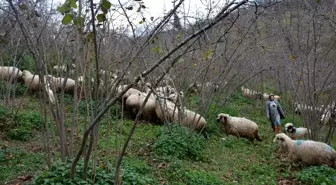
(290, 143)
(164, 105)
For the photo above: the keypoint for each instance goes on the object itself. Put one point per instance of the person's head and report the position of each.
(271, 97)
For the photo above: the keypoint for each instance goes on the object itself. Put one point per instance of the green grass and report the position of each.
(224, 161)
(16, 162)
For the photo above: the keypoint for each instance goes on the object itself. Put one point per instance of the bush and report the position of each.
(317, 175)
(136, 173)
(180, 143)
(29, 120)
(21, 134)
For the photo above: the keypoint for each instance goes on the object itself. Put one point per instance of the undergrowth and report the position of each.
(179, 143)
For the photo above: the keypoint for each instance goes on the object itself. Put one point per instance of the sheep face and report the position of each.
(280, 139)
(290, 128)
(222, 118)
(25, 73)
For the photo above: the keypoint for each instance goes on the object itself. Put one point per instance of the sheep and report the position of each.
(239, 126)
(174, 96)
(127, 93)
(50, 93)
(58, 84)
(308, 151)
(213, 87)
(193, 120)
(248, 93)
(10, 74)
(63, 68)
(166, 111)
(33, 83)
(294, 132)
(328, 115)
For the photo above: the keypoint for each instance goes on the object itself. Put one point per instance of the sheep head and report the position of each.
(281, 138)
(222, 117)
(290, 127)
(26, 73)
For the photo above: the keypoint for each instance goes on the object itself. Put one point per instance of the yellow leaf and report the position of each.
(292, 57)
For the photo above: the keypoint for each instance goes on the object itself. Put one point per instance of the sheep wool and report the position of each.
(239, 127)
(308, 151)
(10, 74)
(295, 133)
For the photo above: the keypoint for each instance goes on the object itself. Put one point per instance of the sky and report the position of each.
(190, 10)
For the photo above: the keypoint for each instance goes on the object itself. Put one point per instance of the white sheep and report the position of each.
(58, 84)
(10, 74)
(128, 92)
(193, 120)
(248, 93)
(63, 68)
(50, 93)
(33, 83)
(149, 108)
(308, 151)
(239, 126)
(166, 111)
(296, 133)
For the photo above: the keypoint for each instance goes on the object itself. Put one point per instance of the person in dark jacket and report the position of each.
(274, 113)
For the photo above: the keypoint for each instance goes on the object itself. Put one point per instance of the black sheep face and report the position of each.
(291, 129)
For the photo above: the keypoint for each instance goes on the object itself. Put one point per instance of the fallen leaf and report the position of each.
(229, 173)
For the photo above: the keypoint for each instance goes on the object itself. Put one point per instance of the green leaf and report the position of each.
(67, 19)
(157, 49)
(79, 21)
(72, 3)
(106, 4)
(140, 22)
(101, 17)
(179, 36)
(60, 9)
(208, 54)
(104, 10)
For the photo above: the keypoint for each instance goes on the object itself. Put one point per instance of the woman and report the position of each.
(274, 113)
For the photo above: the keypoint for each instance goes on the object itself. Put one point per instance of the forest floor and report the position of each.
(225, 159)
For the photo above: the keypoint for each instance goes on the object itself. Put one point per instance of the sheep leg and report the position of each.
(235, 133)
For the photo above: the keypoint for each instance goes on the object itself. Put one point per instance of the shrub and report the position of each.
(136, 173)
(21, 134)
(180, 143)
(317, 175)
(30, 119)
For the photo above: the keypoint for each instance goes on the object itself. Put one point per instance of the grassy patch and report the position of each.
(15, 162)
